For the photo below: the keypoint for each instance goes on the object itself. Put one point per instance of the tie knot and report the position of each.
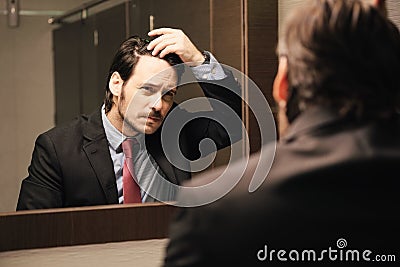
(127, 147)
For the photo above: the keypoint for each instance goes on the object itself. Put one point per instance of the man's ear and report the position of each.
(377, 3)
(381, 6)
(281, 84)
(115, 84)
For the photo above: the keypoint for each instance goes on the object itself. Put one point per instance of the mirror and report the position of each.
(30, 74)
(38, 104)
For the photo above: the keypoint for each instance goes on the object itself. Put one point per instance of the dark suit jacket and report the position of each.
(331, 178)
(71, 165)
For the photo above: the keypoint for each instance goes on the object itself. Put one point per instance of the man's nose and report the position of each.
(157, 102)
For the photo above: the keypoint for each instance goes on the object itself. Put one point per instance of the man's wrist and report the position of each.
(211, 70)
(197, 60)
(201, 59)
(207, 57)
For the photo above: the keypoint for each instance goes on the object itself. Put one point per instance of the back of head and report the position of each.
(344, 54)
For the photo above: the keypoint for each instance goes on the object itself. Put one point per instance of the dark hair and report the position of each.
(344, 54)
(125, 60)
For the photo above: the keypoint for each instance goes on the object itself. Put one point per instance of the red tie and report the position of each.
(130, 188)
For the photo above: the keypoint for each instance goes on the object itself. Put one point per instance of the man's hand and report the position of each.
(175, 41)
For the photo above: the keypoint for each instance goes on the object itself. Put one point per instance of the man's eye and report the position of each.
(147, 88)
(169, 95)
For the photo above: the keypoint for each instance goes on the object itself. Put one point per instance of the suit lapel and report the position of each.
(97, 151)
(153, 145)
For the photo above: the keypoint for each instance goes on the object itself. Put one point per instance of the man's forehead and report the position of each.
(155, 82)
(163, 77)
(155, 71)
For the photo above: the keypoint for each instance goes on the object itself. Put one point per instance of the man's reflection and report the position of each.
(82, 163)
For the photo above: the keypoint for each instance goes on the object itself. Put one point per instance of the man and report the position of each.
(83, 163)
(331, 195)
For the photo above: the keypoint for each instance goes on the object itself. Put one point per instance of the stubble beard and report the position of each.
(128, 127)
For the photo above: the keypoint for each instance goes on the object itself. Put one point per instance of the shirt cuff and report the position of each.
(210, 72)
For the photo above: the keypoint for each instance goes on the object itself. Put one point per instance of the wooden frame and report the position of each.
(87, 225)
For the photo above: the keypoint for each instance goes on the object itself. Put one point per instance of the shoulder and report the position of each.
(67, 128)
(74, 130)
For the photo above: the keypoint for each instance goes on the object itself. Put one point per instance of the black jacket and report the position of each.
(331, 179)
(71, 165)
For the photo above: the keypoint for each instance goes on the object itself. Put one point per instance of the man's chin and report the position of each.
(129, 130)
(150, 129)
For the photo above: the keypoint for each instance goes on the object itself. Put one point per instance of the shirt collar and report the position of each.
(114, 136)
(309, 120)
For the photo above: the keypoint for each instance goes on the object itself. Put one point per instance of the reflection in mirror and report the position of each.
(115, 155)
(82, 54)
(84, 71)
(86, 161)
